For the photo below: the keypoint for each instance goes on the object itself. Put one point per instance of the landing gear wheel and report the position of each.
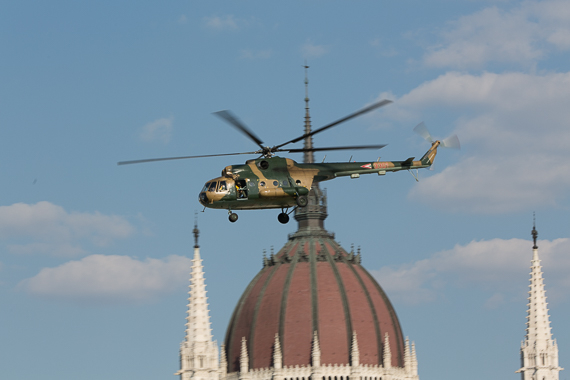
(233, 217)
(302, 201)
(283, 218)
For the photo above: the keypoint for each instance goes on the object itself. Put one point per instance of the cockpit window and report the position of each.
(205, 187)
(212, 186)
(222, 186)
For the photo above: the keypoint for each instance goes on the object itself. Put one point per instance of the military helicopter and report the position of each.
(270, 181)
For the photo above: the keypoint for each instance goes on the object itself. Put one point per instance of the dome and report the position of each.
(313, 285)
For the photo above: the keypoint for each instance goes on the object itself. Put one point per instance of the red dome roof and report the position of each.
(313, 284)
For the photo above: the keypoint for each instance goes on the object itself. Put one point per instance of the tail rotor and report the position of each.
(422, 130)
(449, 142)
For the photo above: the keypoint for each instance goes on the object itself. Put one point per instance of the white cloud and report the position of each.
(495, 266)
(496, 185)
(110, 279)
(57, 248)
(514, 130)
(554, 18)
(158, 130)
(227, 22)
(522, 34)
(410, 283)
(47, 228)
(311, 50)
(489, 35)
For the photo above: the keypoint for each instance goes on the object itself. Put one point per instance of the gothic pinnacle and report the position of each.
(196, 232)
(534, 231)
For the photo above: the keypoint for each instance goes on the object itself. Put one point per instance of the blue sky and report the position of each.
(94, 258)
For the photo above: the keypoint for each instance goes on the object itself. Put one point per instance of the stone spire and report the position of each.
(354, 352)
(407, 357)
(308, 157)
(316, 351)
(277, 355)
(539, 352)
(534, 232)
(387, 352)
(196, 233)
(243, 357)
(223, 362)
(198, 320)
(311, 217)
(414, 360)
(198, 353)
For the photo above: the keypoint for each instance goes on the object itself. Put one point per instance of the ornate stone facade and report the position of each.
(318, 371)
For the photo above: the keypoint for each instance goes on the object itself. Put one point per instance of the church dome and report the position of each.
(312, 286)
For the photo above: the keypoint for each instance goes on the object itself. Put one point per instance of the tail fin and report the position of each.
(450, 142)
(429, 157)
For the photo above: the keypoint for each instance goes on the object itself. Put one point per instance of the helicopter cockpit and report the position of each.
(215, 190)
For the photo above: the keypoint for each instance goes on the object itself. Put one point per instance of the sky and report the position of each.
(95, 257)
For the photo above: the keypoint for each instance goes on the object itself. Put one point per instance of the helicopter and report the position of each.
(273, 182)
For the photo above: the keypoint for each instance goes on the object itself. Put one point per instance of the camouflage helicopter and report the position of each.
(270, 181)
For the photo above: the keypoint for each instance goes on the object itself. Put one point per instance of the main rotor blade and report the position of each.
(230, 118)
(356, 147)
(181, 158)
(346, 118)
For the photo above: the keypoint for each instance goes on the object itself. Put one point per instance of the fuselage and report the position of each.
(277, 182)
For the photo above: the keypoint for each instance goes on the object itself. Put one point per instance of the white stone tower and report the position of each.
(198, 353)
(539, 352)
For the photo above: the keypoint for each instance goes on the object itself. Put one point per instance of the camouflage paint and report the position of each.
(277, 182)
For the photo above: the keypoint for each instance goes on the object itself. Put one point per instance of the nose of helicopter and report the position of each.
(214, 190)
(203, 199)
(203, 196)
